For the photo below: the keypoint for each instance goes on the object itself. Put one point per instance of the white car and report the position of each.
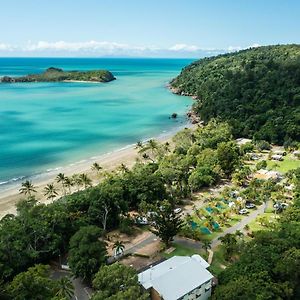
(177, 210)
(142, 220)
(243, 211)
(250, 205)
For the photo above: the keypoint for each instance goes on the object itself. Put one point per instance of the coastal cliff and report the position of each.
(56, 75)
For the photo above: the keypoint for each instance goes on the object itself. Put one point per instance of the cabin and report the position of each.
(178, 278)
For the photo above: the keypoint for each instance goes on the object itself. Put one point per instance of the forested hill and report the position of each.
(256, 90)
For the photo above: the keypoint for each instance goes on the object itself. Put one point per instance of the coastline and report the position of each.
(109, 162)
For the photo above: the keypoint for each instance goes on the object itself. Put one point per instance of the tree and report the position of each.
(117, 282)
(76, 180)
(166, 222)
(68, 184)
(106, 204)
(206, 245)
(27, 188)
(50, 191)
(229, 241)
(96, 167)
(64, 288)
(61, 178)
(33, 284)
(118, 247)
(86, 181)
(228, 156)
(87, 252)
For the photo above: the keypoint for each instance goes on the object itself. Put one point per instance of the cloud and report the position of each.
(184, 47)
(5, 47)
(103, 48)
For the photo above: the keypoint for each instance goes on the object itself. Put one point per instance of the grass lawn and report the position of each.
(256, 226)
(218, 262)
(283, 166)
(184, 251)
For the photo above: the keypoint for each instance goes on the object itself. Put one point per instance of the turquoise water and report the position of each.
(48, 125)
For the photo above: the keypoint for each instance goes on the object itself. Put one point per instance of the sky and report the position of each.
(150, 28)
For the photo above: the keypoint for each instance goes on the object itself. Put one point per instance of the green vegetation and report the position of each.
(284, 166)
(162, 178)
(256, 90)
(35, 284)
(56, 74)
(117, 282)
(183, 251)
(87, 253)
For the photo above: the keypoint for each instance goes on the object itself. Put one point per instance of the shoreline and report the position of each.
(109, 161)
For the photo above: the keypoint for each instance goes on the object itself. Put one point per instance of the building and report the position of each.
(178, 278)
(243, 141)
(267, 175)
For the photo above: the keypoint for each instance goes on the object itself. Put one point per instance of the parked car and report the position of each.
(250, 205)
(243, 211)
(141, 220)
(177, 210)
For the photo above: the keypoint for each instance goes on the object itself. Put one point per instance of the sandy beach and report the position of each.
(109, 162)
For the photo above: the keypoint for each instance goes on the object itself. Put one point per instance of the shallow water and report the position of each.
(47, 125)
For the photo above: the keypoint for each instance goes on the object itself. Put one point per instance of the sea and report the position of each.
(47, 126)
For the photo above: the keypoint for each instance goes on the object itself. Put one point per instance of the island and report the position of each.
(59, 75)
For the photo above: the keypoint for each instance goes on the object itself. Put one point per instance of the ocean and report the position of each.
(45, 126)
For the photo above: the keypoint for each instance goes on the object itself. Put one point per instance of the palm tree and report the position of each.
(50, 191)
(152, 145)
(68, 183)
(123, 168)
(76, 180)
(206, 245)
(139, 145)
(96, 167)
(60, 178)
(65, 288)
(86, 181)
(27, 188)
(118, 247)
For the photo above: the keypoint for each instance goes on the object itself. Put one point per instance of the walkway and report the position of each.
(240, 225)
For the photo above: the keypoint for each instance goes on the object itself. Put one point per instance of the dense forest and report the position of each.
(256, 90)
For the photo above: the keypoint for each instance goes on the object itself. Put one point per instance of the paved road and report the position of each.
(240, 225)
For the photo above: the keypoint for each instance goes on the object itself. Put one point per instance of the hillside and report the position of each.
(256, 90)
(55, 74)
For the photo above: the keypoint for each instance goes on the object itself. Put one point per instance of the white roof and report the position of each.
(176, 276)
(243, 141)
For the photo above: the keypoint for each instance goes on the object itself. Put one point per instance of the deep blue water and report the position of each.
(46, 125)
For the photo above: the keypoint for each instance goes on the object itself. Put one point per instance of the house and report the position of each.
(243, 141)
(178, 278)
(277, 157)
(267, 175)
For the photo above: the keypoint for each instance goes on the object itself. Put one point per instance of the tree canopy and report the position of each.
(256, 90)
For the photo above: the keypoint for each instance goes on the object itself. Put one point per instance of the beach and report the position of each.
(109, 162)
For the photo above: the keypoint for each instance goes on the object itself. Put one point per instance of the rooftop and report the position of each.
(183, 272)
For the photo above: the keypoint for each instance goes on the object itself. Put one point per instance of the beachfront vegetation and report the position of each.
(255, 90)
